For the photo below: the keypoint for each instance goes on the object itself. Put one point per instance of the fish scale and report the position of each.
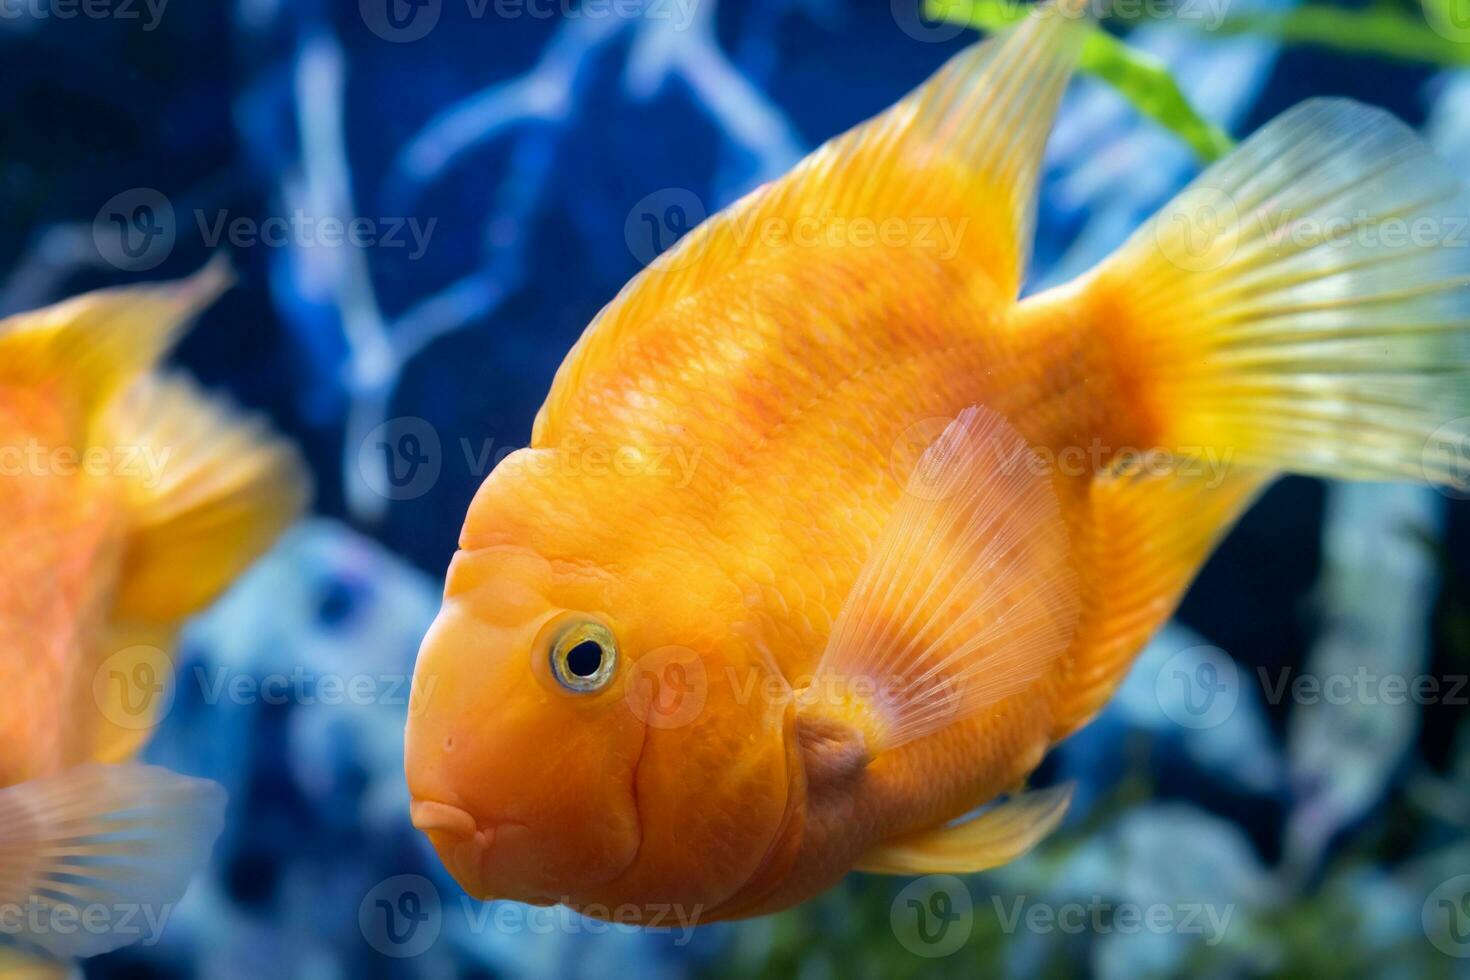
(818, 653)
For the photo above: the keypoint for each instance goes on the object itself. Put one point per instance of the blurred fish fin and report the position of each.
(1304, 304)
(212, 491)
(98, 343)
(989, 839)
(121, 838)
(954, 166)
(1149, 533)
(127, 706)
(15, 965)
(968, 596)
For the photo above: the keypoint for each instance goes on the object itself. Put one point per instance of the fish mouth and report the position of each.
(431, 815)
(467, 846)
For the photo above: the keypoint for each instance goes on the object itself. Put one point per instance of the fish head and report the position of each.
(586, 729)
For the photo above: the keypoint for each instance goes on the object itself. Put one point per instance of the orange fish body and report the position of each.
(824, 538)
(129, 502)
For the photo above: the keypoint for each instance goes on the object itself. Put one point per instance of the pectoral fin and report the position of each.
(968, 596)
(994, 837)
(100, 840)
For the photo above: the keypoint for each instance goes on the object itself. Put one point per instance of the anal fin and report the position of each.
(1150, 531)
(989, 839)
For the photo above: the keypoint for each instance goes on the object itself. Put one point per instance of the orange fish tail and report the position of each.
(1303, 307)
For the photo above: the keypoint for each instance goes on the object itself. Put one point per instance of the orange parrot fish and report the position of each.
(128, 501)
(930, 523)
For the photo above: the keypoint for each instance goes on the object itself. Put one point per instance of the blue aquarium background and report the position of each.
(425, 202)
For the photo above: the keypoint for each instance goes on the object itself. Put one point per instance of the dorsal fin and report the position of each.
(966, 146)
(96, 344)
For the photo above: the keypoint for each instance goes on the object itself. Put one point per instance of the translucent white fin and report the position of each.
(968, 596)
(993, 837)
(111, 847)
(1305, 304)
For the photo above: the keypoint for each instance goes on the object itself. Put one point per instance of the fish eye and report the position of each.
(584, 657)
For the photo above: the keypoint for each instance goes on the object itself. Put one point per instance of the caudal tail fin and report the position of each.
(1304, 306)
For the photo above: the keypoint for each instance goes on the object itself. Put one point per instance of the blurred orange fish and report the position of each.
(128, 501)
(930, 524)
